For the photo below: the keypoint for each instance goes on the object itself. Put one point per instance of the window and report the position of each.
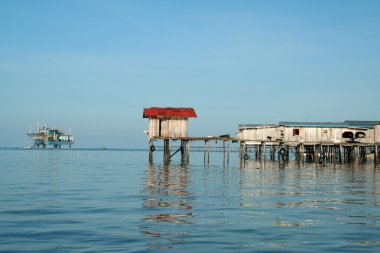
(359, 135)
(347, 135)
(296, 132)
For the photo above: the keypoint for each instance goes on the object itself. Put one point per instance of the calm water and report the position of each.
(114, 201)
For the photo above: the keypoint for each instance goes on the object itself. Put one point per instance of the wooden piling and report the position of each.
(185, 150)
(166, 151)
(228, 154)
(151, 147)
(208, 152)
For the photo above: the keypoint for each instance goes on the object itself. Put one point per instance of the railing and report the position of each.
(202, 149)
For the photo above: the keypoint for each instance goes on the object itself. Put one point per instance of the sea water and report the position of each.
(115, 201)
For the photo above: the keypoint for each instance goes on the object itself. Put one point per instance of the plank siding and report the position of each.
(170, 127)
(376, 136)
(307, 134)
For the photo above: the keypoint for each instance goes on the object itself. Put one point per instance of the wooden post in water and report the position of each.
(264, 150)
(241, 150)
(228, 154)
(151, 147)
(185, 149)
(315, 153)
(287, 147)
(334, 155)
(224, 151)
(208, 152)
(259, 151)
(166, 151)
(204, 152)
(298, 152)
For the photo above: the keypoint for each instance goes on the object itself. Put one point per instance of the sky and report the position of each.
(93, 65)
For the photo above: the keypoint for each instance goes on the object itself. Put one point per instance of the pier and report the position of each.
(185, 147)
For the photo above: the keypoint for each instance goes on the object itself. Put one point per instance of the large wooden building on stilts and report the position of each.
(317, 141)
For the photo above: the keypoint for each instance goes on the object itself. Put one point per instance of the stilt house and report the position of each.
(168, 122)
(312, 132)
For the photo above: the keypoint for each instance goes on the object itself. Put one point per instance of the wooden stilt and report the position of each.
(228, 154)
(224, 151)
(315, 153)
(166, 151)
(185, 151)
(204, 152)
(151, 151)
(264, 150)
(208, 152)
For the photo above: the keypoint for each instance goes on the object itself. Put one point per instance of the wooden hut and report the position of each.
(168, 122)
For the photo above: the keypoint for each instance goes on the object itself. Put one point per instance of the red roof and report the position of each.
(169, 112)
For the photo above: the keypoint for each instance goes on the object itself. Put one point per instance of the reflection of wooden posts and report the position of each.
(376, 153)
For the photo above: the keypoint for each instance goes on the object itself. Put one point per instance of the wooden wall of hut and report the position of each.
(165, 127)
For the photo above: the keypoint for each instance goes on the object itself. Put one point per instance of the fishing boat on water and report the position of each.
(51, 136)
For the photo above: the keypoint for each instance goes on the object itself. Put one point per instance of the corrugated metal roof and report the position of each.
(361, 123)
(169, 112)
(347, 123)
(314, 124)
(256, 125)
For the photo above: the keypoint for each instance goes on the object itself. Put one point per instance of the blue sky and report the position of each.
(94, 65)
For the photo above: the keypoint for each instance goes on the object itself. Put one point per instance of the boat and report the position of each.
(45, 136)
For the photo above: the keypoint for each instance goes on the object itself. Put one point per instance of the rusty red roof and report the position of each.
(169, 112)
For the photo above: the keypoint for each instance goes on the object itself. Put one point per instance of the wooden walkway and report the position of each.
(271, 149)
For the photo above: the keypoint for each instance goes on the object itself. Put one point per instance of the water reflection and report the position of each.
(167, 202)
(341, 191)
